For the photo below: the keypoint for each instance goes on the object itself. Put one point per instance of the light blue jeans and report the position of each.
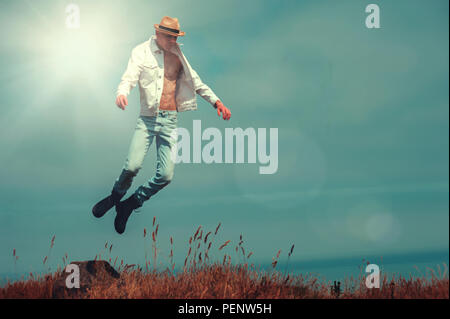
(163, 128)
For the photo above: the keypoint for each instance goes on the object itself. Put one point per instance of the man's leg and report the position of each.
(166, 151)
(140, 143)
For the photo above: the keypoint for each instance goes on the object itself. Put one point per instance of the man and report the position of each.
(167, 85)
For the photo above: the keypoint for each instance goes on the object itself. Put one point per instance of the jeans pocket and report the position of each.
(140, 122)
(173, 118)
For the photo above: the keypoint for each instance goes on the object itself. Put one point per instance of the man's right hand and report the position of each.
(121, 101)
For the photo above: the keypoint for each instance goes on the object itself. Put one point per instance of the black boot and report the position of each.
(106, 204)
(124, 210)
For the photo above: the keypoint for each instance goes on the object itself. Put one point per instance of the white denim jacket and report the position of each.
(146, 66)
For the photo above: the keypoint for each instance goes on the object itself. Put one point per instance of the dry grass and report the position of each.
(202, 278)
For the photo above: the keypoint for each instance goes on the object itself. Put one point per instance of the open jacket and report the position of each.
(146, 66)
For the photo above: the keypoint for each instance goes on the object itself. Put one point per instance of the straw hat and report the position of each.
(170, 26)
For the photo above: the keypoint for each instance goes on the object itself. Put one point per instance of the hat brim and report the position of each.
(182, 33)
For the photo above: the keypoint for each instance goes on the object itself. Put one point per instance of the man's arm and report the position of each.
(206, 93)
(129, 78)
(203, 90)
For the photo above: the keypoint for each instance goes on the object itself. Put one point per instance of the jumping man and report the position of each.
(167, 85)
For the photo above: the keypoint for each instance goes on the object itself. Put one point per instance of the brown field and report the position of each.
(202, 278)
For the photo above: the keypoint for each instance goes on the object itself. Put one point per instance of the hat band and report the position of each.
(169, 29)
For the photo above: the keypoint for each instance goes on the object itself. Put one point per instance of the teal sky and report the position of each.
(362, 118)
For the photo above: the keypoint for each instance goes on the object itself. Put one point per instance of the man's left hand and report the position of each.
(223, 109)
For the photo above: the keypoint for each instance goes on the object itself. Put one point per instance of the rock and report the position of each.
(91, 271)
